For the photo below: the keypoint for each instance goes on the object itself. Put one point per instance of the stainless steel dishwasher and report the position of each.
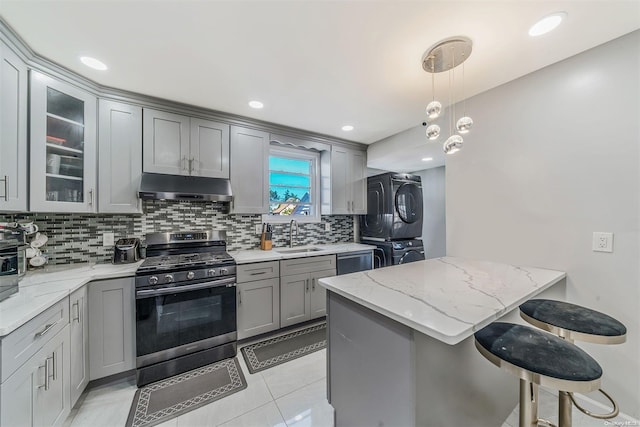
(350, 262)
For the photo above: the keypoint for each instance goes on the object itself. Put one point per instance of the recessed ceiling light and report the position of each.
(427, 159)
(347, 128)
(93, 63)
(256, 104)
(547, 24)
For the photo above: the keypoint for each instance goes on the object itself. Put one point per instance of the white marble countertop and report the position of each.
(257, 255)
(39, 290)
(445, 298)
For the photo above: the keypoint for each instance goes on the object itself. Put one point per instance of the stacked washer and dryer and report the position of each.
(394, 218)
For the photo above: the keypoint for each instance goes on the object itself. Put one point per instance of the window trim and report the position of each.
(303, 154)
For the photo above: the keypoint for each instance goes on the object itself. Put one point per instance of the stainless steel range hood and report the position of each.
(175, 187)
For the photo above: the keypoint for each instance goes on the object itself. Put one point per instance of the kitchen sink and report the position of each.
(298, 250)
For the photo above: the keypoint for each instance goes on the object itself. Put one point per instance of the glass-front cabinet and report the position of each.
(63, 146)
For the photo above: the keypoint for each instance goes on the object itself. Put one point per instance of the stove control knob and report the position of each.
(168, 278)
(153, 280)
(223, 271)
(191, 275)
(211, 272)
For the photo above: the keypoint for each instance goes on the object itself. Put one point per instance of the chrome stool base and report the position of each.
(537, 358)
(573, 322)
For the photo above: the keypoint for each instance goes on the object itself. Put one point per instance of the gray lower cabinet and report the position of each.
(301, 297)
(79, 345)
(37, 394)
(249, 170)
(258, 299)
(120, 157)
(318, 294)
(111, 327)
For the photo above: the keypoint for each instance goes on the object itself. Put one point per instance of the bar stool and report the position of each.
(574, 323)
(537, 358)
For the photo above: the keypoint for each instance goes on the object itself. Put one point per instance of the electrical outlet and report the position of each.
(602, 242)
(108, 239)
(258, 228)
(327, 226)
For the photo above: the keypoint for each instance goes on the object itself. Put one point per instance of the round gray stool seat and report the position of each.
(539, 357)
(573, 322)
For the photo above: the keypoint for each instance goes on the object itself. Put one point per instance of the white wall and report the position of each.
(433, 218)
(553, 157)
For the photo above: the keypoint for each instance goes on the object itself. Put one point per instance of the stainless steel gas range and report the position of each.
(185, 304)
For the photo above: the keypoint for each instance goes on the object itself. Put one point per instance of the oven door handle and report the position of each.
(186, 288)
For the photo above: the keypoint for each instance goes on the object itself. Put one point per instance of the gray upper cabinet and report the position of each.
(63, 147)
(13, 131)
(249, 171)
(348, 181)
(180, 145)
(120, 155)
(209, 148)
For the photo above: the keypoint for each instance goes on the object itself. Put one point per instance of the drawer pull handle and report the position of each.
(46, 329)
(239, 297)
(259, 272)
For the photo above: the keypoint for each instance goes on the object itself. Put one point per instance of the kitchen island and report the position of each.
(400, 342)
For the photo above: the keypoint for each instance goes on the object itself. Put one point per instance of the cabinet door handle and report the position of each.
(46, 375)
(193, 163)
(239, 297)
(76, 311)
(313, 284)
(307, 283)
(6, 188)
(46, 329)
(91, 197)
(54, 365)
(183, 166)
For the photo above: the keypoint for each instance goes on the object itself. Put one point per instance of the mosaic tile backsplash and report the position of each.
(77, 238)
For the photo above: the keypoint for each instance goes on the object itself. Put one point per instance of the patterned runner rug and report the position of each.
(277, 350)
(158, 402)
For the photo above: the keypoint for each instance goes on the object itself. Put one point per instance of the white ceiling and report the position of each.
(316, 65)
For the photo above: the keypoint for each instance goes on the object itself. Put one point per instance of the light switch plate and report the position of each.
(258, 228)
(108, 239)
(327, 226)
(602, 242)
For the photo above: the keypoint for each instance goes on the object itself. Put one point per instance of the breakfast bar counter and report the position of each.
(400, 341)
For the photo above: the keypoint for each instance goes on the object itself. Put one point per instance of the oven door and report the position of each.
(179, 320)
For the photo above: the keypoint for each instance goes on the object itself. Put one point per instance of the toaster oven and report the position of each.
(8, 268)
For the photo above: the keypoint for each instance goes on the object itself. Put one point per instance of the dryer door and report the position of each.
(408, 201)
(377, 221)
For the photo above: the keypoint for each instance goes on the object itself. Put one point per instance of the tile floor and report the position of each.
(289, 395)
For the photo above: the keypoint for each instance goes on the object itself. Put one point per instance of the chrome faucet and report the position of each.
(291, 224)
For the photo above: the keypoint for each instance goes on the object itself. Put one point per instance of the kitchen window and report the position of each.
(293, 185)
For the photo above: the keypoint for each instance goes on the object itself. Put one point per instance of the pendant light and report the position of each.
(445, 56)
(433, 111)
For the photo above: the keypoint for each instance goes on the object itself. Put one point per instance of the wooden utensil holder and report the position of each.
(265, 241)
